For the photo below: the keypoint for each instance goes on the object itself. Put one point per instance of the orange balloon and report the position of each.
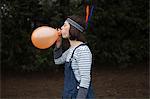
(43, 37)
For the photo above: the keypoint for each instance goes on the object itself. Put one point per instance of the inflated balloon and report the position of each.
(43, 37)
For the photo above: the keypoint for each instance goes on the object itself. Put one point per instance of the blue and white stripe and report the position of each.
(81, 63)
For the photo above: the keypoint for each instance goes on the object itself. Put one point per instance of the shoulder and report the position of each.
(83, 49)
(83, 53)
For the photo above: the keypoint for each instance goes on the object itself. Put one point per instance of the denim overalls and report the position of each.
(70, 82)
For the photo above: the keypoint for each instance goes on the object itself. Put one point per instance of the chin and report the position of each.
(64, 36)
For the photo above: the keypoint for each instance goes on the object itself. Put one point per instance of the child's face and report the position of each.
(65, 30)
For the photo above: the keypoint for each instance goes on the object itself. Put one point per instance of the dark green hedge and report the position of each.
(117, 33)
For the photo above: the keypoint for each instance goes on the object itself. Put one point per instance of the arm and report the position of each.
(84, 61)
(59, 57)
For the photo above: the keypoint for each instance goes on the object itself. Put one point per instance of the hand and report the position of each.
(82, 93)
(59, 40)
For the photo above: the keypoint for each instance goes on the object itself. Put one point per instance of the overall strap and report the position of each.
(75, 49)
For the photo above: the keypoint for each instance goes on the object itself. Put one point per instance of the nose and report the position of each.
(62, 27)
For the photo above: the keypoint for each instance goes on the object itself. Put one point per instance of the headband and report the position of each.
(75, 24)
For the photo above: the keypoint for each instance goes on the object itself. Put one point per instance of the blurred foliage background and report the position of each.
(118, 32)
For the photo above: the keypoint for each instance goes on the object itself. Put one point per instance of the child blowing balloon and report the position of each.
(77, 60)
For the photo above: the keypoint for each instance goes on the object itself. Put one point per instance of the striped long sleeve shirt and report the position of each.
(81, 62)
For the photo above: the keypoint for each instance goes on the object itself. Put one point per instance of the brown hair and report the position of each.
(75, 34)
